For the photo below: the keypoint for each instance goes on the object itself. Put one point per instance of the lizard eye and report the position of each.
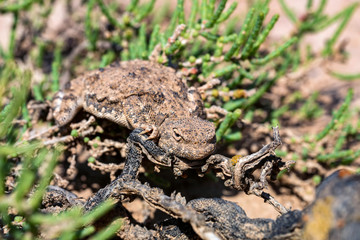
(176, 134)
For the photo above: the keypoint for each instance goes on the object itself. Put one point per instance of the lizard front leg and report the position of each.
(130, 172)
(152, 129)
(68, 102)
(133, 157)
(136, 146)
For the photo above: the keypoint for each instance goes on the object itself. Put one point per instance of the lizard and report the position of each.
(146, 95)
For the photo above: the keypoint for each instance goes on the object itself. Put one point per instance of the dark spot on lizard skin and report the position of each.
(67, 85)
(115, 64)
(132, 74)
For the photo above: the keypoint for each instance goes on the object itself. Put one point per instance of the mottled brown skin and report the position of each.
(142, 94)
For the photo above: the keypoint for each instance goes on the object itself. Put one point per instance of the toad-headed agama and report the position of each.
(142, 94)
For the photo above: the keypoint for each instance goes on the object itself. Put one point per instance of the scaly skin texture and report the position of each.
(142, 94)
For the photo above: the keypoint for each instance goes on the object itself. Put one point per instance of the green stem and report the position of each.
(15, 7)
(252, 38)
(336, 116)
(12, 36)
(216, 15)
(347, 77)
(107, 14)
(241, 36)
(291, 15)
(264, 34)
(275, 53)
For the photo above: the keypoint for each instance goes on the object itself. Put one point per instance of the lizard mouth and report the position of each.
(201, 153)
(189, 152)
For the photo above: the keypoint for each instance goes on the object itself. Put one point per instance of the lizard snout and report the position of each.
(190, 138)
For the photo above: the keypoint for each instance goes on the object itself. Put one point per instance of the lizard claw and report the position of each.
(154, 132)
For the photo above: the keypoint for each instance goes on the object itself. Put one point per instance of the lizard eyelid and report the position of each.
(176, 134)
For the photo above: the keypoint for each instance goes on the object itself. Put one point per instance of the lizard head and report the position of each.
(190, 138)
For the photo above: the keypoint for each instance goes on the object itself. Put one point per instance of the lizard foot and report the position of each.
(154, 132)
